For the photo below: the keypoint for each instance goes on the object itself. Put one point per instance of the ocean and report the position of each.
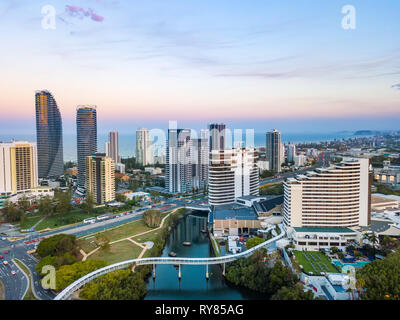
(127, 142)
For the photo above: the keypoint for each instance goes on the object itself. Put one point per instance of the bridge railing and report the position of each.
(67, 292)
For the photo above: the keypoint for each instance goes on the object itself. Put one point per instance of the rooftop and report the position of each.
(334, 230)
(234, 211)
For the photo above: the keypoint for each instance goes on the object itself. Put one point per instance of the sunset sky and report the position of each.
(253, 64)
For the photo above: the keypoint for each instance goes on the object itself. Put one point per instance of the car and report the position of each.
(5, 263)
(7, 252)
(4, 238)
(1, 257)
(13, 273)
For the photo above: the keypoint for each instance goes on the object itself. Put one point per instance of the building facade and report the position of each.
(100, 178)
(232, 174)
(86, 129)
(49, 135)
(114, 146)
(334, 197)
(217, 134)
(200, 152)
(179, 166)
(274, 150)
(291, 152)
(18, 167)
(144, 150)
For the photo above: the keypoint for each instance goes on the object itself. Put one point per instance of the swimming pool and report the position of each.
(357, 264)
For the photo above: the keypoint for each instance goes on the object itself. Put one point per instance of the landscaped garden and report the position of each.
(314, 262)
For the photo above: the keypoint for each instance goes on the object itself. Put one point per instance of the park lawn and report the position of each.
(318, 256)
(30, 221)
(88, 244)
(60, 220)
(117, 252)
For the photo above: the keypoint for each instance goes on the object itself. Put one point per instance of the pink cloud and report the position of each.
(79, 12)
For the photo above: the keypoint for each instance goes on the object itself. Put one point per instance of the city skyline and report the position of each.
(284, 70)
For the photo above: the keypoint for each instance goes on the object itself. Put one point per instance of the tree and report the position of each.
(293, 293)
(254, 242)
(24, 204)
(334, 250)
(11, 212)
(266, 174)
(57, 245)
(116, 285)
(64, 202)
(88, 204)
(45, 206)
(120, 197)
(67, 274)
(152, 218)
(380, 279)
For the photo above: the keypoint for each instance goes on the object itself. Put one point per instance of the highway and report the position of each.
(15, 285)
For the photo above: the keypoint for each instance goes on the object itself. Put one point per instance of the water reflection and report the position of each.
(193, 284)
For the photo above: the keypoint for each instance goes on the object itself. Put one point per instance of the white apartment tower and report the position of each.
(18, 167)
(231, 174)
(291, 152)
(114, 147)
(334, 197)
(144, 150)
(179, 162)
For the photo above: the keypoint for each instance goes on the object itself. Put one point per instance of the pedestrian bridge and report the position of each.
(198, 207)
(67, 292)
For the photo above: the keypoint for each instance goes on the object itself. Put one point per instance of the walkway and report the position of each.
(67, 292)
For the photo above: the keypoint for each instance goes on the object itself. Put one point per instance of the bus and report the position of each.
(89, 220)
(103, 217)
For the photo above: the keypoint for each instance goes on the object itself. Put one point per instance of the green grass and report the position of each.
(2, 291)
(29, 294)
(121, 251)
(30, 221)
(318, 256)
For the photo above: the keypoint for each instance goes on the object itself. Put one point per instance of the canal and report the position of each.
(193, 284)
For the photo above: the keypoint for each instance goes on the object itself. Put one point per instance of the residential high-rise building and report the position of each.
(179, 176)
(217, 136)
(232, 174)
(274, 150)
(100, 178)
(200, 152)
(49, 136)
(18, 167)
(86, 129)
(114, 147)
(144, 150)
(291, 152)
(334, 197)
(107, 147)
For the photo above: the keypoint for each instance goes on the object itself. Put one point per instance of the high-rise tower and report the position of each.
(86, 130)
(274, 150)
(49, 136)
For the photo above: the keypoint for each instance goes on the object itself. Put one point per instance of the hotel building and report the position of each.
(100, 178)
(331, 199)
(200, 152)
(232, 174)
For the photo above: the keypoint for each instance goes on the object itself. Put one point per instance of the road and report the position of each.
(16, 285)
(286, 175)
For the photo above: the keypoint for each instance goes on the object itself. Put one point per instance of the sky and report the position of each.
(256, 64)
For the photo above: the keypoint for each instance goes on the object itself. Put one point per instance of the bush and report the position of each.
(254, 242)
(57, 245)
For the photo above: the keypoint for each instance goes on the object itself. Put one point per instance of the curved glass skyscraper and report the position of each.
(86, 130)
(49, 136)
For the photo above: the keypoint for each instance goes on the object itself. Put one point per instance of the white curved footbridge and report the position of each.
(67, 292)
